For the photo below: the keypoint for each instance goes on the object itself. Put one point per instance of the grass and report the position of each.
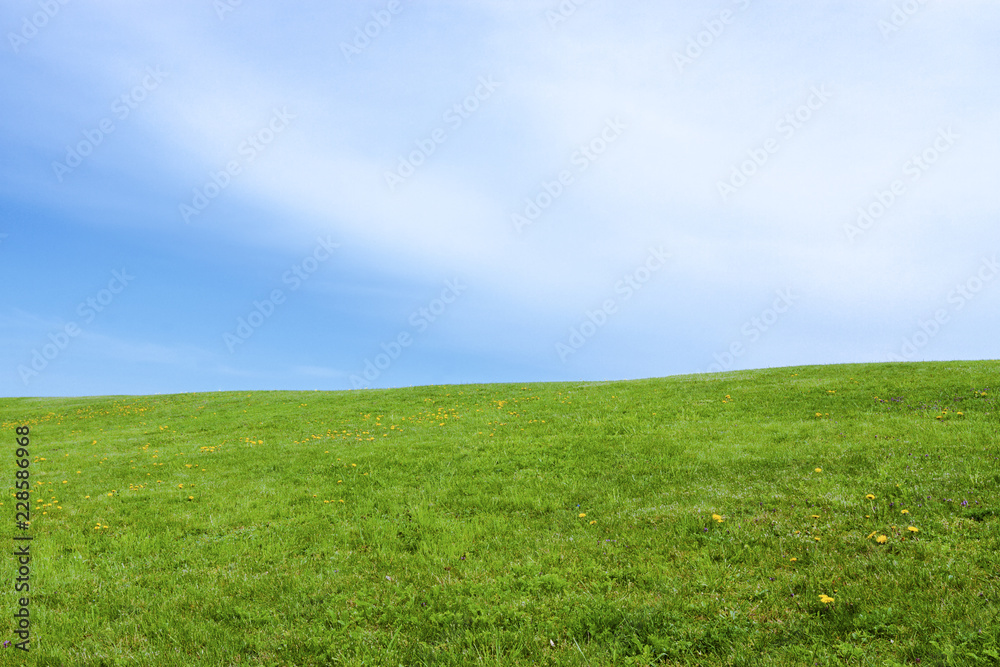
(510, 524)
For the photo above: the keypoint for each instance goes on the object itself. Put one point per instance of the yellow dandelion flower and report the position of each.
(582, 514)
(913, 529)
(819, 470)
(816, 538)
(881, 539)
(870, 497)
(190, 497)
(793, 559)
(815, 516)
(871, 534)
(180, 486)
(819, 414)
(593, 522)
(825, 599)
(717, 518)
(904, 511)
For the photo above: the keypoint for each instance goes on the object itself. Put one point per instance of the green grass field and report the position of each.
(831, 515)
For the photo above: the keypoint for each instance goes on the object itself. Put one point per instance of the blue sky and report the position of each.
(218, 195)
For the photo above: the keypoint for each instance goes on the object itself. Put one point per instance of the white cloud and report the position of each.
(655, 184)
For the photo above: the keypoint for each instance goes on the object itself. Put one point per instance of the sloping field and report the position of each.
(794, 516)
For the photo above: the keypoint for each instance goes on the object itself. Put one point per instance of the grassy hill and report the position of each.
(795, 516)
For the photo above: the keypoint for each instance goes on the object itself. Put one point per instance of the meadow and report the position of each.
(818, 515)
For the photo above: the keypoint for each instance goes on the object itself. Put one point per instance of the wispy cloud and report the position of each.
(805, 112)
